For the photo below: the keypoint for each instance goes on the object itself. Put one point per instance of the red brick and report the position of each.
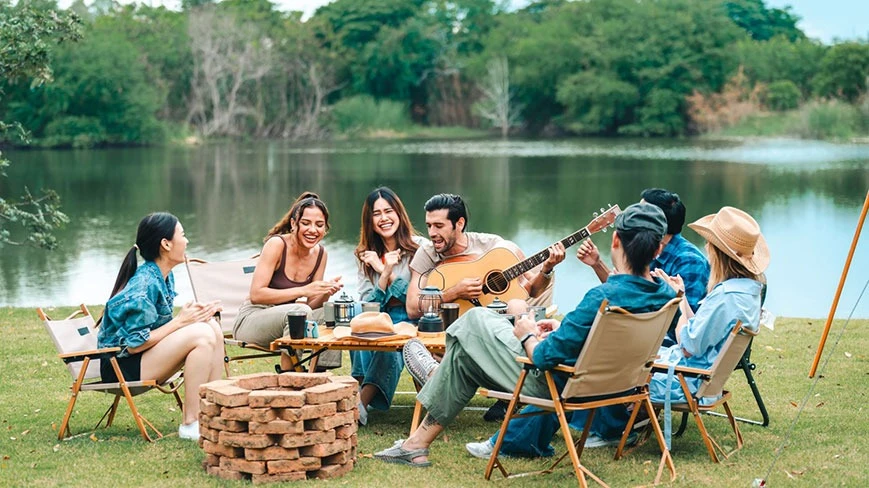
(225, 473)
(345, 405)
(323, 450)
(328, 423)
(333, 471)
(208, 408)
(237, 439)
(337, 458)
(228, 395)
(303, 380)
(307, 439)
(276, 398)
(278, 478)
(346, 431)
(289, 465)
(257, 381)
(277, 427)
(243, 465)
(219, 449)
(203, 388)
(289, 414)
(212, 460)
(221, 423)
(247, 414)
(317, 411)
(209, 434)
(347, 380)
(271, 453)
(330, 392)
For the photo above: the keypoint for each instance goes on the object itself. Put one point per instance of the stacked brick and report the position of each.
(279, 427)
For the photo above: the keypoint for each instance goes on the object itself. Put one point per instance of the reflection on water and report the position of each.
(806, 195)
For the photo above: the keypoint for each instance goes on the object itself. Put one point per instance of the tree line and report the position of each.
(243, 68)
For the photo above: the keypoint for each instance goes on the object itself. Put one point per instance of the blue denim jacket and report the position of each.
(142, 306)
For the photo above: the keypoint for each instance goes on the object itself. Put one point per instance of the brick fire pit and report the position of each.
(279, 427)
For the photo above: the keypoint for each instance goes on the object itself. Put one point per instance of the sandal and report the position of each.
(399, 455)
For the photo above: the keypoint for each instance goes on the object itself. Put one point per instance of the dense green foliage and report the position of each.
(26, 37)
(245, 68)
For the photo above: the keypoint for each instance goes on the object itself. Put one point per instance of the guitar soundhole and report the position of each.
(496, 282)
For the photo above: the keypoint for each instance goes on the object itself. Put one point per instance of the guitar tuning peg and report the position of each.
(602, 210)
(594, 214)
(603, 230)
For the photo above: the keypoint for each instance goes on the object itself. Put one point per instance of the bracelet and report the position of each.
(548, 275)
(525, 338)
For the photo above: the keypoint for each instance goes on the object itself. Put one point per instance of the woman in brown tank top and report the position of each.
(289, 271)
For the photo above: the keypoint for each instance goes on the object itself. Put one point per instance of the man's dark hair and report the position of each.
(670, 203)
(454, 205)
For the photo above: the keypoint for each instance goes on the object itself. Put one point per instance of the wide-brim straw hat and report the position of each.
(736, 234)
(374, 326)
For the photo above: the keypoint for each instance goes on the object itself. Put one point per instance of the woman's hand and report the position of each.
(371, 259)
(193, 312)
(324, 287)
(391, 258)
(587, 253)
(675, 282)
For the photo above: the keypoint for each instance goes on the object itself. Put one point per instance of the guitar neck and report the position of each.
(537, 259)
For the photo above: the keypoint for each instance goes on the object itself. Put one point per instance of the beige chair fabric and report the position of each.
(75, 339)
(227, 281)
(614, 367)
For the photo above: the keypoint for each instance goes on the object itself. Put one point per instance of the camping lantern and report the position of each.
(430, 299)
(345, 309)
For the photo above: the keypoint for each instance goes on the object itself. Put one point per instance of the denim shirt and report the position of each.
(633, 293)
(682, 258)
(143, 305)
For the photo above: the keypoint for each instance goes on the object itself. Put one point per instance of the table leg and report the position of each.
(417, 411)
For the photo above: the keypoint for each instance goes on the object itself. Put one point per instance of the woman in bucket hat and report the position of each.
(738, 256)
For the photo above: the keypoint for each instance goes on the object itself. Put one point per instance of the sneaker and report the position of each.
(496, 412)
(189, 431)
(419, 362)
(594, 441)
(482, 450)
(363, 414)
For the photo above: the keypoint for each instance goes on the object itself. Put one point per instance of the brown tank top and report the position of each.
(279, 277)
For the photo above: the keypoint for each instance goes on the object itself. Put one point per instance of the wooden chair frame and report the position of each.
(86, 380)
(713, 380)
(637, 396)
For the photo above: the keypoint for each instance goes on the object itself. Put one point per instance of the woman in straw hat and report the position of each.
(738, 256)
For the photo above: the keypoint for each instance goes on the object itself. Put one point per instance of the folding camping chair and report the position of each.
(613, 368)
(75, 339)
(712, 385)
(229, 282)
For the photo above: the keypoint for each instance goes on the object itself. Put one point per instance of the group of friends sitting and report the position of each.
(651, 264)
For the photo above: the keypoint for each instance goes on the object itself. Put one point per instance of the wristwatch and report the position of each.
(525, 338)
(548, 275)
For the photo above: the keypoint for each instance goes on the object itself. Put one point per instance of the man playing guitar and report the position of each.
(446, 219)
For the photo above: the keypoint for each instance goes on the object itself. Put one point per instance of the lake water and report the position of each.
(807, 197)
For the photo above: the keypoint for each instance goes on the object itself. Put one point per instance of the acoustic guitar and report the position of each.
(499, 267)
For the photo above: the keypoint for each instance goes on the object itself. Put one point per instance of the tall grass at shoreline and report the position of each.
(826, 447)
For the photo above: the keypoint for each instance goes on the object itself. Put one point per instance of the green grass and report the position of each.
(765, 124)
(826, 448)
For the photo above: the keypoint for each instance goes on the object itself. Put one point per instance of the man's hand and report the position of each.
(468, 288)
(556, 255)
(588, 253)
(523, 326)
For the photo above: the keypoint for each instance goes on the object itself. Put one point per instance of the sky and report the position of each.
(826, 20)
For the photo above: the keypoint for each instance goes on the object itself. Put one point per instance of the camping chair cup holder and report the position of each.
(75, 339)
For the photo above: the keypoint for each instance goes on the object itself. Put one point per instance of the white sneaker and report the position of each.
(363, 414)
(594, 441)
(189, 431)
(482, 450)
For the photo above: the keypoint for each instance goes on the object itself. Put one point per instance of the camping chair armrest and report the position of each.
(684, 370)
(529, 364)
(80, 355)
